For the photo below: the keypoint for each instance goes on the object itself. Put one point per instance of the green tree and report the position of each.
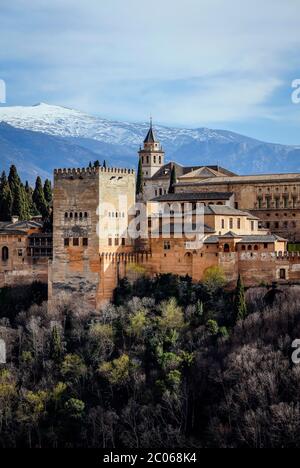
(31, 205)
(39, 199)
(56, 347)
(48, 191)
(5, 199)
(97, 163)
(173, 179)
(240, 307)
(140, 180)
(75, 408)
(212, 327)
(214, 278)
(73, 367)
(19, 198)
(104, 164)
(172, 317)
(117, 372)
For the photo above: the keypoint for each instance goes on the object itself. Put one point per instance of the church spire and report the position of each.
(150, 138)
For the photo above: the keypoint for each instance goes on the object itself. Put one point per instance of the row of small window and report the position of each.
(76, 241)
(277, 202)
(71, 215)
(284, 224)
(238, 224)
(231, 224)
(147, 159)
(116, 214)
(251, 247)
(5, 253)
(116, 241)
(159, 192)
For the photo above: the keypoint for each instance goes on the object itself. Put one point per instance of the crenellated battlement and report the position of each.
(90, 171)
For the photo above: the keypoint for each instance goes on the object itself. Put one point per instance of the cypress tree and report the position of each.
(31, 205)
(140, 180)
(97, 163)
(56, 346)
(39, 199)
(240, 307)
(173, 180)
(48, 191)
(19, 206)
(5, 199)
(104, 164)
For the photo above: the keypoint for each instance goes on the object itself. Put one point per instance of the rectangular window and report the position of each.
(239, 223)
(167, 245)
(20, 253)
(259, 203)
(110, 241)
(223, 223)
(252, 225)
(116, 241)
(75, 241)
(282, 274)
(265, 246)
(277, 203)
(230, 223)
(268, 200)
(85, 242)
(123, 241)
(66, 242)
(286, 202)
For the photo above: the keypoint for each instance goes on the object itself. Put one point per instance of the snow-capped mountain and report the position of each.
(65, 122)
(81, 137)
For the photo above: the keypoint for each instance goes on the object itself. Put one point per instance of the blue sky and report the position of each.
(218, 63)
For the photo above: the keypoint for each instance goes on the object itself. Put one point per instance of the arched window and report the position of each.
(256, 247)
(5, 254)
(249, 247)
(226, 248)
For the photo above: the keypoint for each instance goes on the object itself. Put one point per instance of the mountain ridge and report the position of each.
(118, 142)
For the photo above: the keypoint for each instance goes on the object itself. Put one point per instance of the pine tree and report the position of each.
(39, 199)
(240, 307)
(5, 199)
(140, 180)
(48, 191)
(173, 180)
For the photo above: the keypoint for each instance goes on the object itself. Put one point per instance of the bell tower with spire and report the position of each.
(152, 155)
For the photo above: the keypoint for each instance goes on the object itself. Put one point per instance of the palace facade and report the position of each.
(212, 218)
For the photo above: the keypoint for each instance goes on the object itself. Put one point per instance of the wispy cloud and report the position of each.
(194, 62)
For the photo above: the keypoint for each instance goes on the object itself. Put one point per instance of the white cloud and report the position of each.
(190, 62)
